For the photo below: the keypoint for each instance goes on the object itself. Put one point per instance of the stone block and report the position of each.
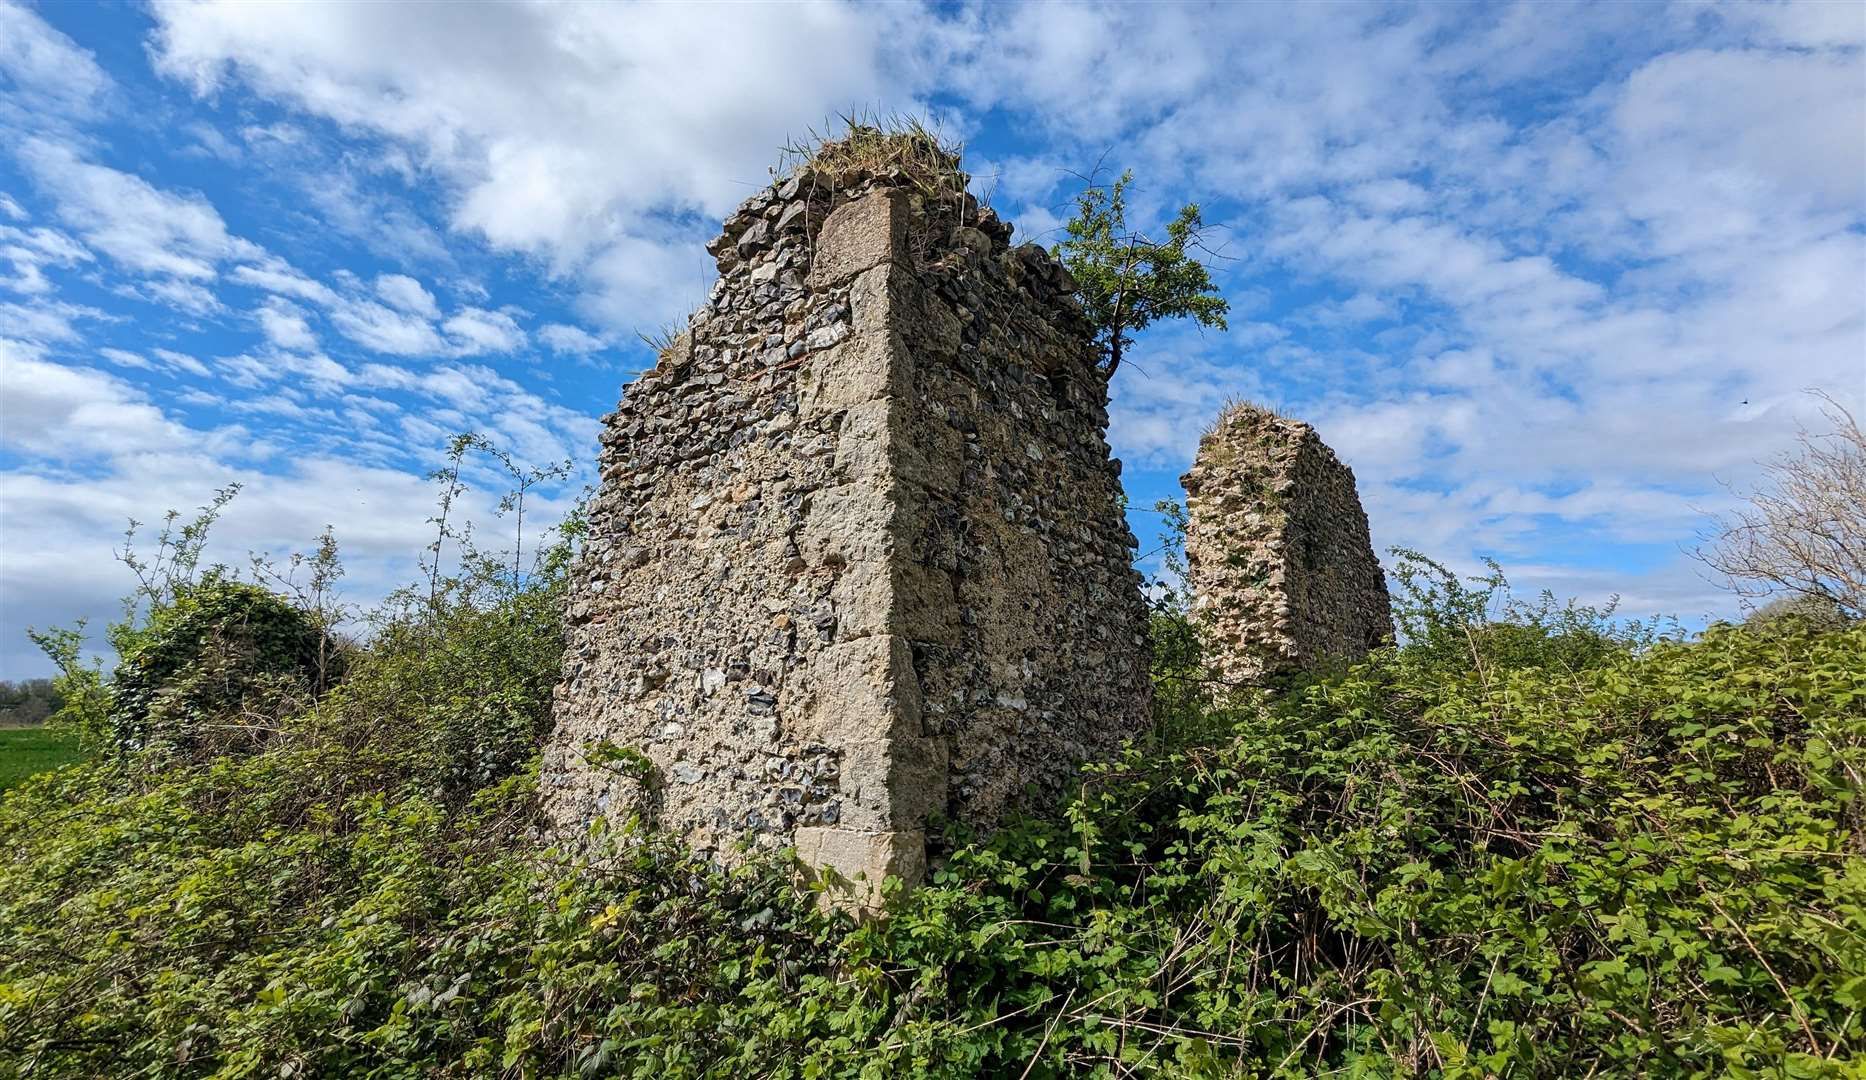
(859, 235)
(870, 443)
(849, 526)
(861, 691)
(887, 440)
(892, 783)
(926, 604)
(859, 368)
(858, 862)
(875, 301)
(863, 600)
(930, 324)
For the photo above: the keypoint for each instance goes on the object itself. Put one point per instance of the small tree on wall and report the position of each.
(1126, 279)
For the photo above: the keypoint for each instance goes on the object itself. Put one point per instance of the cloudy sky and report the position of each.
(1547, 276)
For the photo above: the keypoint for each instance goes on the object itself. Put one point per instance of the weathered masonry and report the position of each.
(857, 560)
(1282, 570)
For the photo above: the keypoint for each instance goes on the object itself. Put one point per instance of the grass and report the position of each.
(1234, 404)
(866, 144)
(27, 752)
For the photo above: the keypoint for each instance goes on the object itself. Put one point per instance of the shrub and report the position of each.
(216, 670)
(1800, 531)
(1815, 612)
(1648, 867)
(223, 915)
(458, 687)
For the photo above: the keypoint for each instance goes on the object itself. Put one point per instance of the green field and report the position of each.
(29, 751)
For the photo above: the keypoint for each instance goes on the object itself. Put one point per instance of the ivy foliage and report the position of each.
(215, 663)
(1528, 843)
(207, 664)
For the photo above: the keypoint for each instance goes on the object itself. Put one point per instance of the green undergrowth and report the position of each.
(1528, 843)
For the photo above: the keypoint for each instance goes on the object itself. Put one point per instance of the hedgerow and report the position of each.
(1530, 842)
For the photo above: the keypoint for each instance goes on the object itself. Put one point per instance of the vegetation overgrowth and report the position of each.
(1126, 278)
(901, 145)
(1531, 841)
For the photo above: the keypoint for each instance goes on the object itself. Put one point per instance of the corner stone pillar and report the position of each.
(865, 690)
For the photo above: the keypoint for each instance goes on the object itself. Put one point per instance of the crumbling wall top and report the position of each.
(877, 175)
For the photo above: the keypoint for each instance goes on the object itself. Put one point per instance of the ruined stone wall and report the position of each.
(857, 558)
(1282, 570)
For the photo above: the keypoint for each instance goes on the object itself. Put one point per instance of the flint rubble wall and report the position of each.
(1281, 566)
(857, 559)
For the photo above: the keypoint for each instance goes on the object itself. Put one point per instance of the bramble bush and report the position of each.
(1531, 841)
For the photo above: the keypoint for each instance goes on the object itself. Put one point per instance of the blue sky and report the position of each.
(1548, 277)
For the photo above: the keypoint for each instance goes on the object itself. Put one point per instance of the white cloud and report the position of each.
(49, 78)
(30, 251)
(1715, 149)
(275, 275)
(1798, 25)
(15, 349)
(517, 106)
(69, 413)
(1436, 258)
(183, 362)
(1390, 195)
(209, 142)
(386, 330)
(642, 283)
(572, 340)
(369, 214)
(126, 359)
(460, 387)
(47, 322)
(406, 294)
(188, 296)
(285, 326)
(312, 370)
(476, 330)
(1169, 389)
(403, 326)
(122, 215)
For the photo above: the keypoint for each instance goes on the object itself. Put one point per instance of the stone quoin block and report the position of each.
(858, 862)
(857, 563)
(859, 235)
